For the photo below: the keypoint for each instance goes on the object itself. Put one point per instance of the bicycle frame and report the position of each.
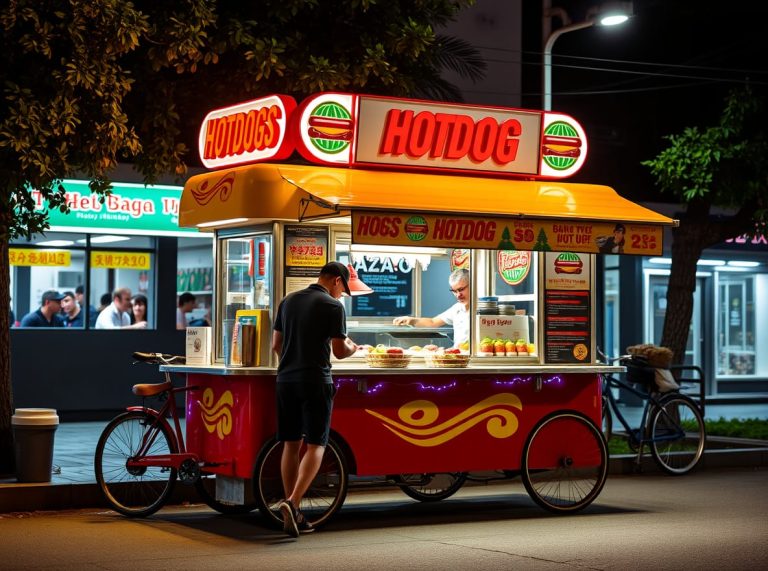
(638, 434)
(175, 459)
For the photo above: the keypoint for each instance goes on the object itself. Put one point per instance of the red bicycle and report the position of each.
(140, 454)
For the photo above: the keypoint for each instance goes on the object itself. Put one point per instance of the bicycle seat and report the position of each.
(151, 389)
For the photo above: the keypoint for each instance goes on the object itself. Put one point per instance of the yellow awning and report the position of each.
(264, 192)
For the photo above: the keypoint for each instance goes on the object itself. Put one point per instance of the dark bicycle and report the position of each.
(671, 424)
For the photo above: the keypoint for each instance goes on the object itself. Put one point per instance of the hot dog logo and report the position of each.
(416, 228)
(330, 127)
(561, 146)
(568, 263)
(217, 417)
(419, 422)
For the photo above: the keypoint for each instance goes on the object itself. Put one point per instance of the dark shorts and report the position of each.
(304, 411)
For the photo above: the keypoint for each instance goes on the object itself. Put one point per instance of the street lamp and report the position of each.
(607, 14)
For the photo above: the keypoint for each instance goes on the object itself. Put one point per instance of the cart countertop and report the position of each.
(340, 369)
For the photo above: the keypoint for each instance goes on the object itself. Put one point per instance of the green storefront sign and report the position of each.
(131, 208)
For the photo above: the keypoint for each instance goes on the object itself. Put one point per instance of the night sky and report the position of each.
(699, 51)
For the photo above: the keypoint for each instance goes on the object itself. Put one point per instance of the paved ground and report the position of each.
(707, 520)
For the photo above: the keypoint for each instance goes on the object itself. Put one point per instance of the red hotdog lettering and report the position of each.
(464, 230)
(449, 136)
(379, 226)
(240, 133)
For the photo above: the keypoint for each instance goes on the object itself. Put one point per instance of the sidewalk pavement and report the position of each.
(73, 484)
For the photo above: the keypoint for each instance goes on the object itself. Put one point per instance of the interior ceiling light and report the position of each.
(56, 243)
(222, 222)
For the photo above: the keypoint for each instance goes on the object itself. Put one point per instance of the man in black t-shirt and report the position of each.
(309, 324)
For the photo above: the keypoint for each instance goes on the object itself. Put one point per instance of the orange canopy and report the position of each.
(263, 192)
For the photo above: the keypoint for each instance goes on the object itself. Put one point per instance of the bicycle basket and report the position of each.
(638, 371)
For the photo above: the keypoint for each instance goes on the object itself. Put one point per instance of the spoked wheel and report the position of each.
(565, 462)
(323, 498)
(206, 489)
(431, 487)
(134, 492)
(677, 435)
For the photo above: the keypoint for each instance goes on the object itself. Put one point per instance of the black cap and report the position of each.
(337, 269)
(52, 295)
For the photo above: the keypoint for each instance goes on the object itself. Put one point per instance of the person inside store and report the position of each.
(186, 304)
(139, 308)
(71, 313)
(48, 313)
(116, 315)
(93, 313)
(309, 324)
(456, 315)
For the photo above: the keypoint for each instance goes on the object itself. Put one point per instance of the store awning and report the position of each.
(264, 192)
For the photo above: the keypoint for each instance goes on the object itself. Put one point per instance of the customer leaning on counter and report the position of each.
(456, 315)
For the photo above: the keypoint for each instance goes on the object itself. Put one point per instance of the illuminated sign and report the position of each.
(248, 132)
(342, 129)
(513, 266)
(482, 232)
(121, 260)
(30, 257)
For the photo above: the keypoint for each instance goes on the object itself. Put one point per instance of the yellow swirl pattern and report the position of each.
(217, 417)
(501, 422)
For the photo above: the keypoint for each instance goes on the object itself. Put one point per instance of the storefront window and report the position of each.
(60, 261)
(194, 276)
(736, 325)
(246, 280)
(52, 262)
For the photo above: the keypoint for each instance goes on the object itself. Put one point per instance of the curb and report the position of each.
(23, 498)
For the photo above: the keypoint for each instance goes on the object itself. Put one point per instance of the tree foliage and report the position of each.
(721, 174)
(88, 84)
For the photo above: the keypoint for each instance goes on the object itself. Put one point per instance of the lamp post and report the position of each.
(608, 14)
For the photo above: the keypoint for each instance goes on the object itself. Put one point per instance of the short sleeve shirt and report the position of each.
(458, 316)
(112, 318)
(308, 319)
(37, 319)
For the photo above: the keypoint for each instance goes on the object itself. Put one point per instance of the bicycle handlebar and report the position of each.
(159, 358)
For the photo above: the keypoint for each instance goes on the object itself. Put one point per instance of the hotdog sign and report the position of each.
(504, 234)
(341, 129)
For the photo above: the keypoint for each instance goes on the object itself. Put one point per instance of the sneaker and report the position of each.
(289, 518)
(302, 523)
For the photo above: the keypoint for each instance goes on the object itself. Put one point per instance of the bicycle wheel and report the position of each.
(565, 462)
(607, 419)
(677, 434)
(206, 489)
(134, 492)
(323, 498)
(431, 487)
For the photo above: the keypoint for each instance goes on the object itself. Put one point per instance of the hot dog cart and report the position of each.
(405, 191)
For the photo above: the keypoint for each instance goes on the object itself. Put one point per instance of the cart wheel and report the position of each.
(431, 487)
(206, 489)
(565, 462)
(323, 498)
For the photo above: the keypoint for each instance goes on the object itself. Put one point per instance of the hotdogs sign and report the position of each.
(361, 131)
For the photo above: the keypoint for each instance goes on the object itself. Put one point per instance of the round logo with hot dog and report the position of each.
(568, 263)
(330, 127)
(416, 228)
(560, 146)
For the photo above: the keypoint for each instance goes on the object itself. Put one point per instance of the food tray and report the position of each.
(386, 361)
(442, 361)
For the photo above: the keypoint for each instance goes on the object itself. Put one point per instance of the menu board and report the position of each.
(567, 308)
(392, 285)
(306, 252)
